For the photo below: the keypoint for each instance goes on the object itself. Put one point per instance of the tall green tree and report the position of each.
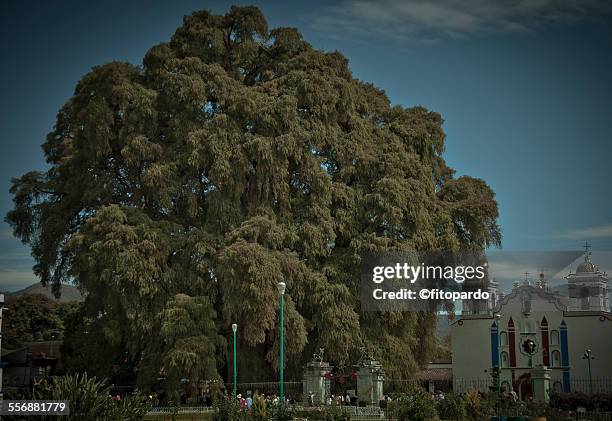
(31, 317)
(236, 157)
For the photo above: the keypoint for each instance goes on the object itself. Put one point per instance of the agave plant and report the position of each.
(89, 399)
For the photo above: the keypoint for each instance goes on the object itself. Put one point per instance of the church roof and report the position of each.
(559, 301)
(587, 266)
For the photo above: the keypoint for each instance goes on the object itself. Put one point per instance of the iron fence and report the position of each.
(292, 390)
(372, 413)
(585, 385)
(157, 410)
(599, 385)
(578, 416)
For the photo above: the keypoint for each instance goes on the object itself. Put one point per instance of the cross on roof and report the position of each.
(587, 246)
(527, 275)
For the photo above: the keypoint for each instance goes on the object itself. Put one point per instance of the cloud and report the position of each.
(602, 231)
(430, 21)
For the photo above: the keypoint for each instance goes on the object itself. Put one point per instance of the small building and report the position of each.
(30, 364)
(436, 376)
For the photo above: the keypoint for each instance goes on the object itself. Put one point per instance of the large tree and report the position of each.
(33, 317)
(181, 191)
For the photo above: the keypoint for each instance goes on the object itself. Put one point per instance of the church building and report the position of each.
(533, 326)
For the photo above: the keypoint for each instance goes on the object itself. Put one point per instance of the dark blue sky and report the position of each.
(525, 89)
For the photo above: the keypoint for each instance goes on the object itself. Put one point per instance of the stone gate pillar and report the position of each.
(540, 376)
(314, 382)
(370, 378)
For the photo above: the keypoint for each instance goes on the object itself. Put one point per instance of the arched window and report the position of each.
(584, 298)
(554, 337)
(556, 358)
(503, 338)
(557, 387)
(505, 361)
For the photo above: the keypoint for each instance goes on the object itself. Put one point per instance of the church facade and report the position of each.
(533, 326)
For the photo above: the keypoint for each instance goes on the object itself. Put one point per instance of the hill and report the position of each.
(68, 292)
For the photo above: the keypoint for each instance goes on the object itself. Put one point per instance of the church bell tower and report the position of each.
(588, 287)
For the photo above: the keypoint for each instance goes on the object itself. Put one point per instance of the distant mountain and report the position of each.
(69, 293)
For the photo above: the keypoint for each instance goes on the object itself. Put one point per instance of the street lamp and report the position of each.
(234, 329)
(281, 290)
(588, 355)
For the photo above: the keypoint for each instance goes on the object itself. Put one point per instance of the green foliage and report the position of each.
(32, 317)
(571, 401)
(417, 405)
(495, 373)
(259, 411)
(188, 340)
(281, 412)
(476, 406)
(90, 344)
(452, 407)
(89, 399)
(229, 410)
(333, 413)
(131, 408)
(236, 157)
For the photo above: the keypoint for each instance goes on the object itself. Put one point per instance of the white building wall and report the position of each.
(590, 332)
(471, 343)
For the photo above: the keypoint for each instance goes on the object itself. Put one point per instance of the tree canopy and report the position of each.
(32, 317)
(179, 193)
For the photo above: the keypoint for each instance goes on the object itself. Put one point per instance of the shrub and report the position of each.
(336, 414)
(452, 407)
(132, 408)
(281, 413)
(259, 411)
(417, 405)
(572, 401)
(89, 399)
(326, 414)
(229, 410)
(476, 407)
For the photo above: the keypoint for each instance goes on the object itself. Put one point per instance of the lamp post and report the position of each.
(234, 329)
(588, 355)
(281, 290)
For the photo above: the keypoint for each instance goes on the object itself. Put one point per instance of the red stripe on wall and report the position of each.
(545, 350)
